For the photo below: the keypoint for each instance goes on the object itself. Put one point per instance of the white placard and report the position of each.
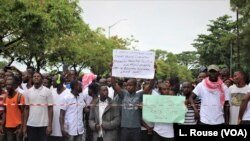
(133, 64)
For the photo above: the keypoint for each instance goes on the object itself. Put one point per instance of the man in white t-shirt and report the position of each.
(244, 113)
(214, 99)
(38, 112)
(236, 94)
(58, 93)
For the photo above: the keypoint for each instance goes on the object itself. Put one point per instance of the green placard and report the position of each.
(164, 109)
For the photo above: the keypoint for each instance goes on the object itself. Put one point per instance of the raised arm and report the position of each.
(151, 85)
(243, 106)
(114, 85)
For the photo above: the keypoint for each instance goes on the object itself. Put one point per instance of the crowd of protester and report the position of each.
(68, 107)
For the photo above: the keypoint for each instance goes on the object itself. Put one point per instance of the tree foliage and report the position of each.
(214, 48)
(188, 58)
(52, 33)
(32, 25)
(168, 66)
(243, 9)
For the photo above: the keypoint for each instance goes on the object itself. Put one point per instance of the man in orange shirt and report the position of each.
(13, 113)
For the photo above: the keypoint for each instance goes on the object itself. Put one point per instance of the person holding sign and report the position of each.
(147, 126)
(165, 131)
(131, 114)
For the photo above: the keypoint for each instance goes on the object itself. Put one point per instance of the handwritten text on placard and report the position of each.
(165, 109)
(134, 64)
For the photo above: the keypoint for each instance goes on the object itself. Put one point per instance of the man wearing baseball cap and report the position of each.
(214, 97)
(213, 67)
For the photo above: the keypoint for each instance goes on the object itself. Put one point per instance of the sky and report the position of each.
(170, 25)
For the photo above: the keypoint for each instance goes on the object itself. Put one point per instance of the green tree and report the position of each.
(188, 58)
(10, 17)
(214, 48)
(32, 25)
(168, 66)
(3, 64)
(72, 50)
(242, 7)
(102, 52)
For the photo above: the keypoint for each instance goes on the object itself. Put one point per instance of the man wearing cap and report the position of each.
(214, 97)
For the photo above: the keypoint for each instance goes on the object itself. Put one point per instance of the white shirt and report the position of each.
(24, 86)
(165, 130)
(87, 98)
(57, 99)
(102, 106)
(73, 120)
(211, 110)
(18, 89)
(236, 95)
(111, 92)
(150, 124)
(38, 99)
(246, 115)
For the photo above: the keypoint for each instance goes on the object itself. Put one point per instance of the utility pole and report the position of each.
(237, 39)
(109, 27)
(231, 58)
